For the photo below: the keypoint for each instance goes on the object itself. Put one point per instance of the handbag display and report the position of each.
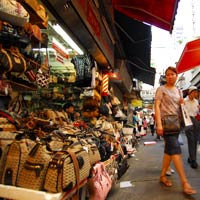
(171, 124)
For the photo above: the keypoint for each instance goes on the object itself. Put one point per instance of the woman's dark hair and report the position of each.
(67, 105)
(172, 69)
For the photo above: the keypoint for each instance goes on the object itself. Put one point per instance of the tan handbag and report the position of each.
(66, 170)
(14, 159)
(33, 171)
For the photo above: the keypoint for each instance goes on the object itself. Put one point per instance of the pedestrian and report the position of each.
(167, 101)
(145, 125)
(192, 106)
(135, 123)
(152, 124)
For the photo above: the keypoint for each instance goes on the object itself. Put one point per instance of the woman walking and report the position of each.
(167, 101)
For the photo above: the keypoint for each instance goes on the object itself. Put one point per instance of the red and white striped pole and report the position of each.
(105, 82)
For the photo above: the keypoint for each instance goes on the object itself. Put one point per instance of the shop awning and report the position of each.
(190, 57)
(158, 13)
(135, 38)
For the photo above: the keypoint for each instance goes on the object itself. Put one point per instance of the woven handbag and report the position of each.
(90, 146)
(33, 171)
(14, 159)
(66, 170)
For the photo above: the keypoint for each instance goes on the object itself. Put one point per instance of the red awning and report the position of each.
(158, 13)
(190, 56)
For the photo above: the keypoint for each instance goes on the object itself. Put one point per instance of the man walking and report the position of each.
(192, 107)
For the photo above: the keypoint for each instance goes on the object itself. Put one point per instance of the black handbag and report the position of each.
(171, 124)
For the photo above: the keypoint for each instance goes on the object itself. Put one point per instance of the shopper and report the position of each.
(167, 101)
(152, 124)
(145, 125)
(135, 123)
(192, 106)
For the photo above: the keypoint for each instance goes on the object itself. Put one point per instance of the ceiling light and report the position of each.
(66, 38)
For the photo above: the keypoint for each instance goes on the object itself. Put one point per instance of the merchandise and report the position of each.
(171, 124)
(14, 159)
(13, 12)
(100, 184)
(33, 171)
(12, 60)
(66, 170)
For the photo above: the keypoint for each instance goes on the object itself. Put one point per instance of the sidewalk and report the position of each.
(144, 172)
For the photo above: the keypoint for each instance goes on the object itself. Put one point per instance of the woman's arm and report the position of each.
(159, 127)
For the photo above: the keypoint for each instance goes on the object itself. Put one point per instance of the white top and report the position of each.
(191, 106)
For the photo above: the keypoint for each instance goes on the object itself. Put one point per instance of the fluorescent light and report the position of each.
(67, 38)
(44, 49)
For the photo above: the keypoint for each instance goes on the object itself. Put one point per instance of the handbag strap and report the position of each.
(76, 168)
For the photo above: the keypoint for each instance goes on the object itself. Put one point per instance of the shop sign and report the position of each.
(92, 19)
(60, 49)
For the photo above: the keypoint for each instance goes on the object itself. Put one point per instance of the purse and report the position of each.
(66, 170)
(100, 184)
(33, 172)
(12, 60)
(13, 161)
(171, 124)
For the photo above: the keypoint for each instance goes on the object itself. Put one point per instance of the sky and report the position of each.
(163, 53)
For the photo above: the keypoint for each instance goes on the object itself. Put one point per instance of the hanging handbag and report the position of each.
(42, 78)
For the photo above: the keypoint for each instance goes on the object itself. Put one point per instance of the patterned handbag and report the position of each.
(90, 146)
(67, 169)
(14, 159)
(11, 60)
(33, 171)
(42, 79)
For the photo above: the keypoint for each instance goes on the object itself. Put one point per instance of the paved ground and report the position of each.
(144, 173)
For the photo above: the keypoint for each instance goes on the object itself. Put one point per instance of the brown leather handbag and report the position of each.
(171, 124)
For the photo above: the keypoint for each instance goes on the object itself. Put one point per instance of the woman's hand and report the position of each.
(159, 130)
(181, 101)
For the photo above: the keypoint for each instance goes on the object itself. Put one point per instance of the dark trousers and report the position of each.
(192, 138)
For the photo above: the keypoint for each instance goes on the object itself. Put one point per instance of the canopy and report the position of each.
(160, 13)
(135, 38)
(190, 56)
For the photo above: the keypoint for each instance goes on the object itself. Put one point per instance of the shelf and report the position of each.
(12, 192)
